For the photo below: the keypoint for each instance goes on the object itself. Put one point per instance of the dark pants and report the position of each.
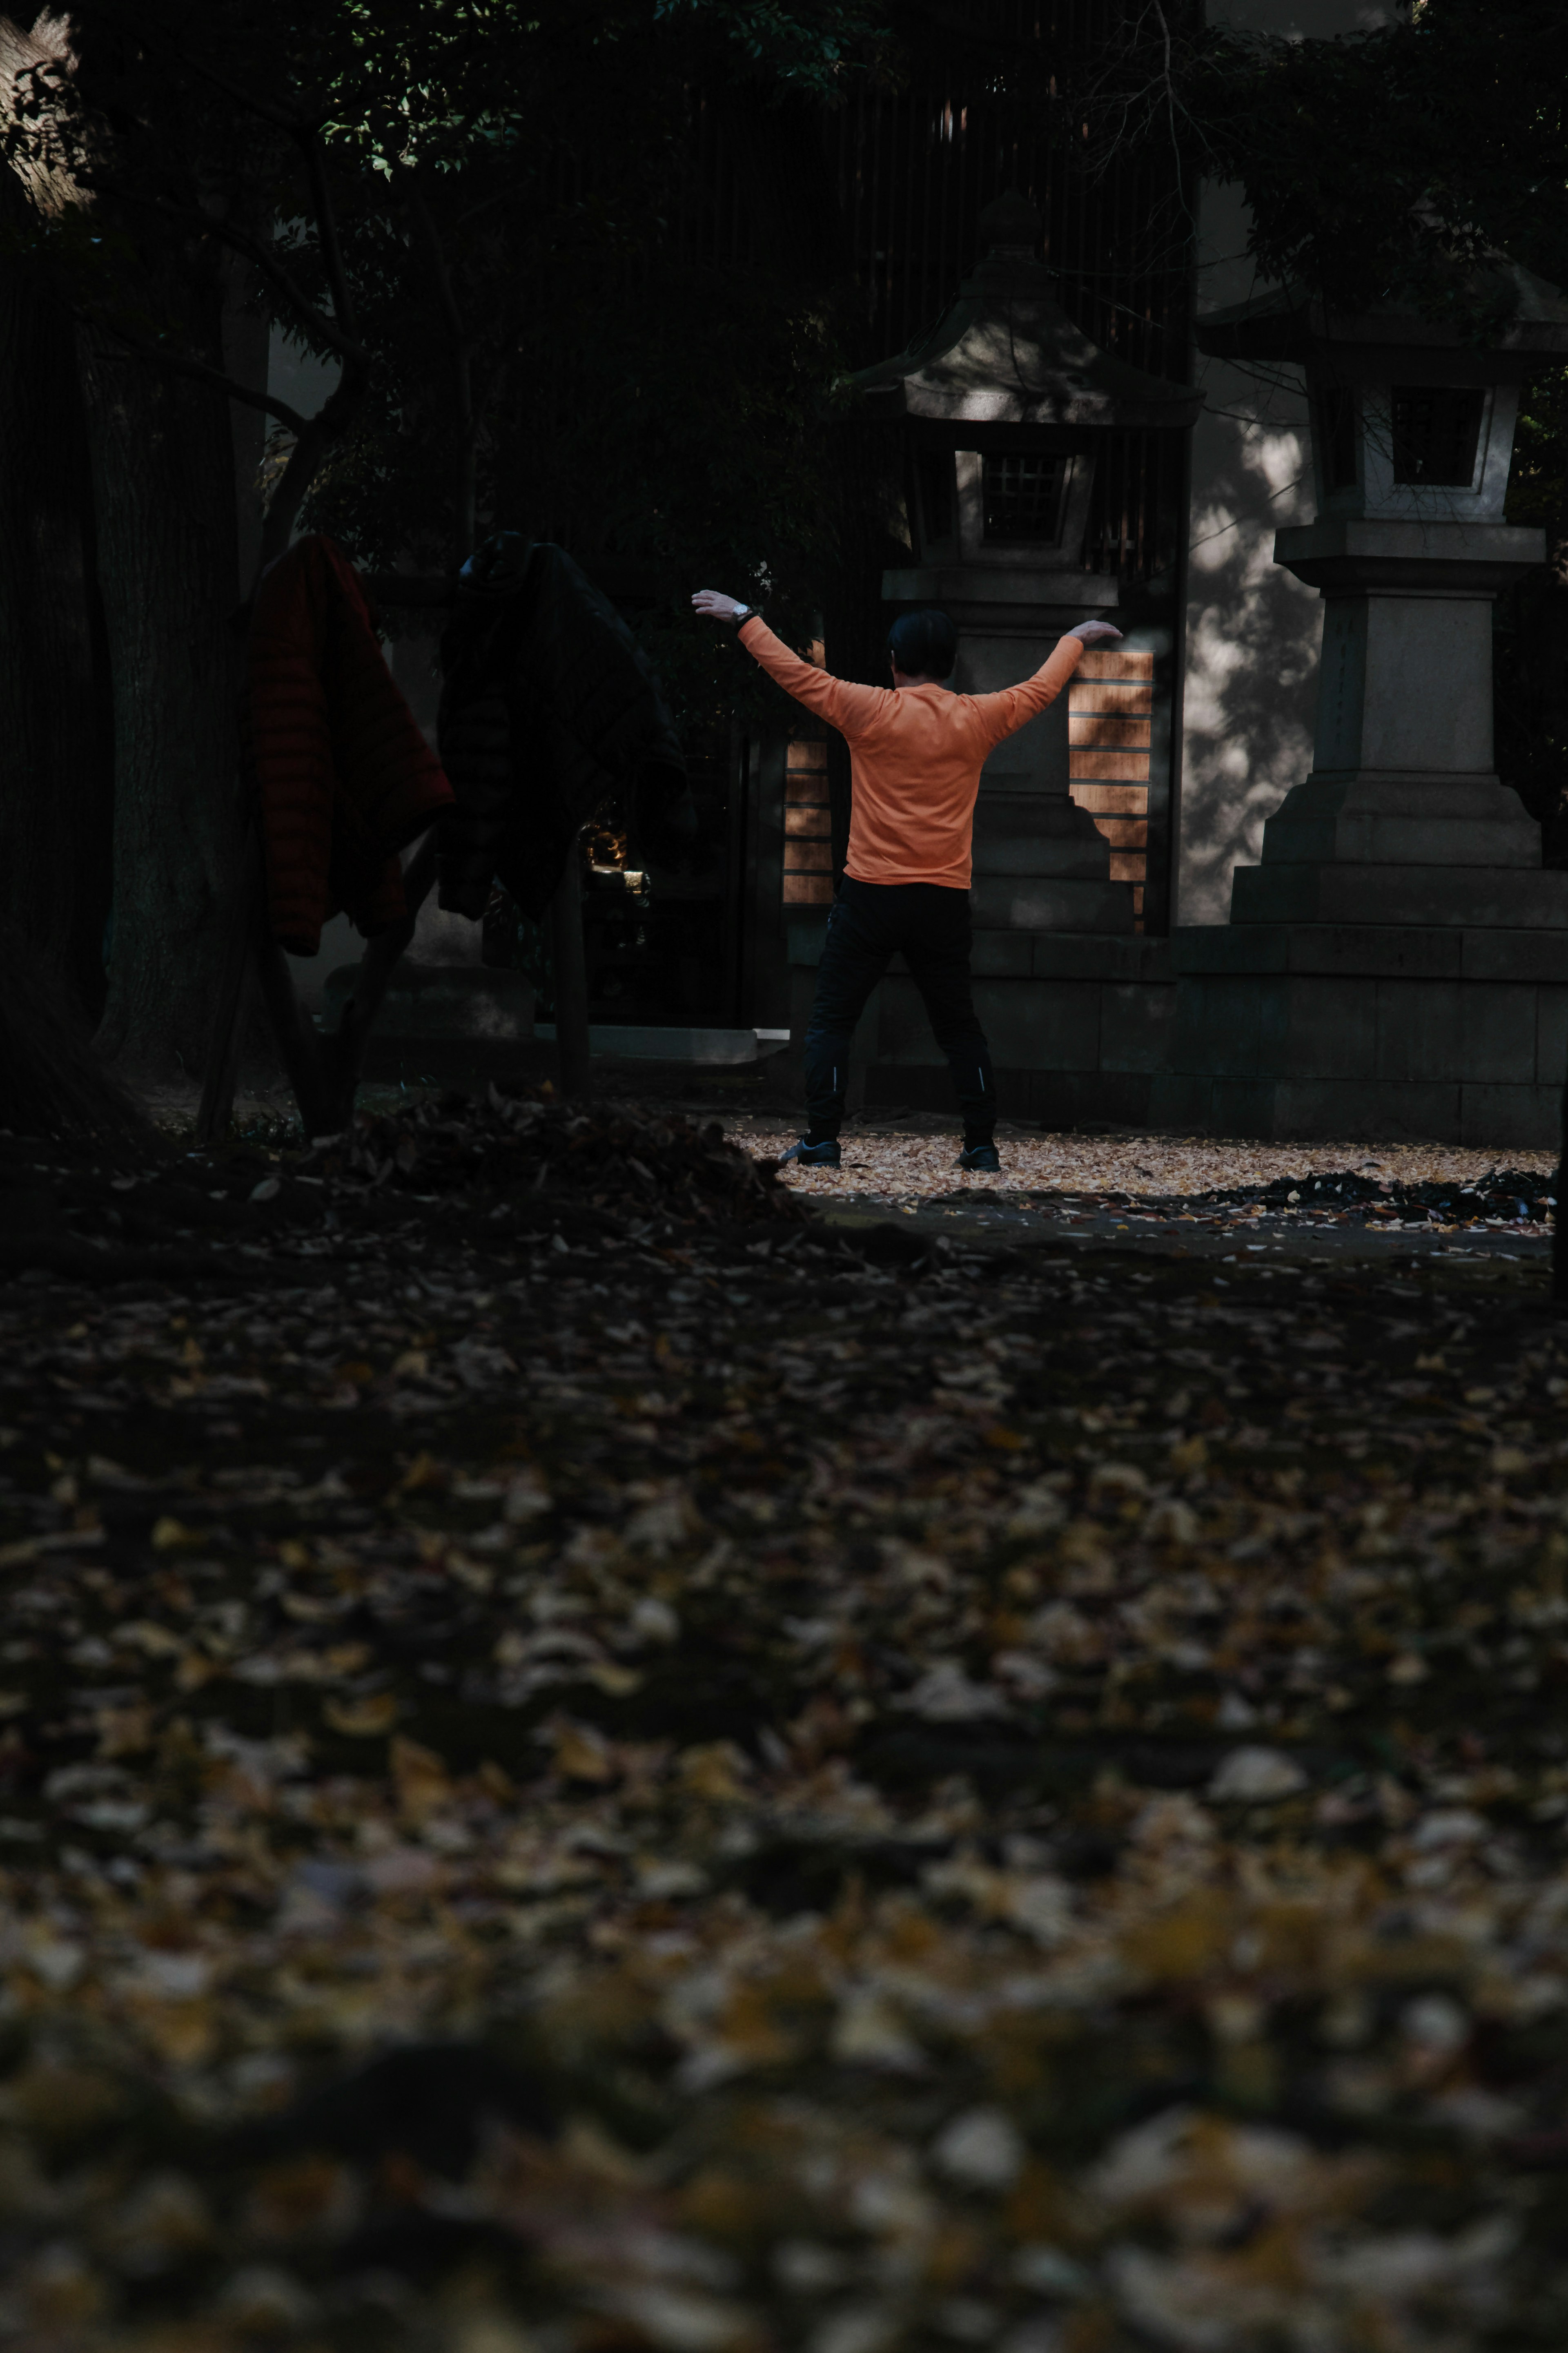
(869, 923)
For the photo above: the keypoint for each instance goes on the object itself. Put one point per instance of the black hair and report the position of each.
(924, 644)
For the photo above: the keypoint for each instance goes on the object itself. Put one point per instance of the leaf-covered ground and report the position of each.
(578, 1781)
(1077, 1180)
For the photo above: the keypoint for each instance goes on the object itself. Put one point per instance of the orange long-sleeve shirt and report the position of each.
(915, 756)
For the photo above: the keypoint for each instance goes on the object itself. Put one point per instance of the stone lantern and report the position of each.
(1402, 818)
(1396, 964)
(1004, 405)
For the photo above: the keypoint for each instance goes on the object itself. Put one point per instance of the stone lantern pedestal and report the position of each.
(1402, 818)
(1397, 962)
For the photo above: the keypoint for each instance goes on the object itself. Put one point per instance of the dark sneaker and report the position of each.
(981, 1157)
(813, 1155)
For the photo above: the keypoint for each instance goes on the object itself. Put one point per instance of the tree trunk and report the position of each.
(56, 766)
(163, 480)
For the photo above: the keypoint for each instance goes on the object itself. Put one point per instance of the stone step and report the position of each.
(1383, 818)
(1508, 898)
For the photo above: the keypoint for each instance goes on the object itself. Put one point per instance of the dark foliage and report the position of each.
(1379, 165)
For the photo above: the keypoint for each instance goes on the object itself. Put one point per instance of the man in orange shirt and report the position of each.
(916, 751)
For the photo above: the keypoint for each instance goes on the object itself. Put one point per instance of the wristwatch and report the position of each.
(743, 613)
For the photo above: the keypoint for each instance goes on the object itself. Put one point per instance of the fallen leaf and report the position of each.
(362, 1719)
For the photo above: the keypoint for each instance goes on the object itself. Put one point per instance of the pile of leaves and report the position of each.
(502, 1168)
(1511, 1195)
(614, 1155)
(678, 1801)
(1504, 1196)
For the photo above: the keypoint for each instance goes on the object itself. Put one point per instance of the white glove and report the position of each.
(1095, 633)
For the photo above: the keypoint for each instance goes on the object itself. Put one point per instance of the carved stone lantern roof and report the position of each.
(1289, 323)
(1005, 352)
(1413, 416)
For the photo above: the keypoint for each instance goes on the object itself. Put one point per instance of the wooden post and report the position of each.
(298, 1039)
(571, 980)
(343, 1048)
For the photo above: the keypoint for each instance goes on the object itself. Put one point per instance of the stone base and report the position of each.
(1383, 818)
(1041, 864)
(1079, 1026)
(1059, 1101)
(1377, 1033)
(1401, 898)
(1498, 1119)
(1309, 1032)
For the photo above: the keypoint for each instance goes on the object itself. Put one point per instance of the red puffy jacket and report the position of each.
(346, 778)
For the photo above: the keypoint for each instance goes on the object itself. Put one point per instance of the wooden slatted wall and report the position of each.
(809, 851)
(1110, 706)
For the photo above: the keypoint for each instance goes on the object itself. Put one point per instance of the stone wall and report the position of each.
(1372, 1033)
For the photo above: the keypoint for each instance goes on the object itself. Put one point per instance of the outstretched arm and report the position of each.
(1008, 711)
(850, 709)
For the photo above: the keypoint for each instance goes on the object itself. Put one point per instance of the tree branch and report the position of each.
(178, 363)
(313, 434)
(466, 514)
(310, 145)
(302, 129)
(145, 28)
(209, 224)
(317, 436)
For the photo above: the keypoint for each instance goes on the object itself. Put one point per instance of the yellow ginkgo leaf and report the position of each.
(362, 1719)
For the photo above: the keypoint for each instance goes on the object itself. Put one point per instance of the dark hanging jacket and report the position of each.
(345, 777)
(549, 705)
